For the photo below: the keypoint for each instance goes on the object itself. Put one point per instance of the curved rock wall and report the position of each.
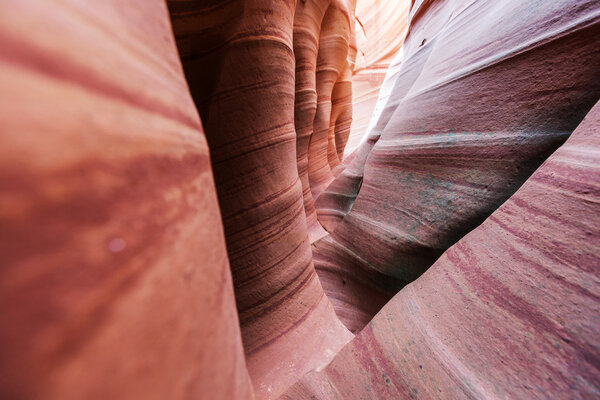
(239, 60)
(473, 112)
(135, 137)
(510, 311)
(137, 265)
(337, 199)
(115, 281)
(324, 52)
(380, 30)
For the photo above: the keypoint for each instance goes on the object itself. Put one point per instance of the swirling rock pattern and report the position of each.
(239, 60)
(137, 265)
(332, 71)
(324, 51)
(379, 35)
(115, 281)
(473, 113)
(510, 311)
(337, 200)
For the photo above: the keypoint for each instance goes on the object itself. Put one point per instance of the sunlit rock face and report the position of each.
(510, 311)
(472, 113)
(380, 30)
(325, 50)
(178, 220)
(114, 276)
(116, 255)
(377, 64)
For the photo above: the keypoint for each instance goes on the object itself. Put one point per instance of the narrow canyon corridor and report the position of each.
(299, 199)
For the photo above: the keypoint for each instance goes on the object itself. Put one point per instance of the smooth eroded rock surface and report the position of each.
(239, 61)
(379, 36)
(115, 281)
(510, 311)
(178, 219)
(472, 113)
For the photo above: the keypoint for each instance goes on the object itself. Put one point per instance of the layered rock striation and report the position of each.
(115, 279)
(178, 219)
(510, 311)
(239, 60)
(380, 30)
(472, 113)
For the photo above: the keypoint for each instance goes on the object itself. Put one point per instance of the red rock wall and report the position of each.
(137, 265)
(380, 30)
(378, 63)
(324, 51)
(239, 60)
(510, 311)
(473, 112)
(115, 281)
(123, 197)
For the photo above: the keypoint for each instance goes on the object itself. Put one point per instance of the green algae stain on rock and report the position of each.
(386, 379)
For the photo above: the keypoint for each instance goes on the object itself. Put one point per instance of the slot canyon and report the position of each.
(299, 199)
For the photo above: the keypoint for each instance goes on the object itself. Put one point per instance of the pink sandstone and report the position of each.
(178, 219)
(510, 311)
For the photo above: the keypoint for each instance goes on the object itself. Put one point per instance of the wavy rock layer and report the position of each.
(324, 51)
(473, 112)
(336, 201)
(123, 243)
(115, 281)
(239, 62)
(379, 35)
(510, 311)
(385, 22)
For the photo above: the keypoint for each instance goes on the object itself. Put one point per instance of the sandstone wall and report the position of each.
(473, 112)
(177, 219)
